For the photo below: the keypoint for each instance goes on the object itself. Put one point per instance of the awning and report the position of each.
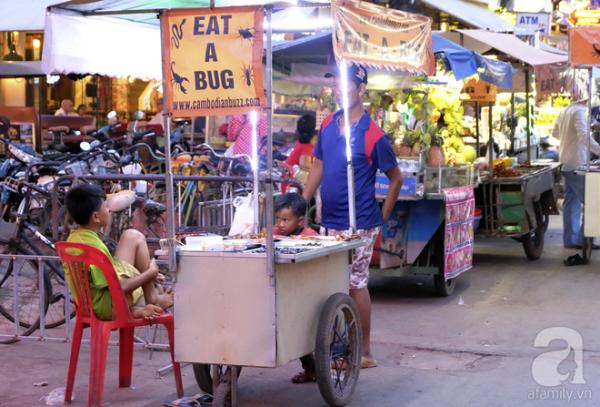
(317, 49)
(471, 14)
(101, 45)
(24, 15)
(20, 69)
(514, 47)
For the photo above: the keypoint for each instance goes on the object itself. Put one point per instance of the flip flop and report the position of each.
(575, 260)
(367, 363)
(193, 401)
(304, 377)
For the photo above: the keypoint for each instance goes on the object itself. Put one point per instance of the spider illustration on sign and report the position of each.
(178, 80)
(596, 48)
(177, 31)
(246, 33)
(248, 75)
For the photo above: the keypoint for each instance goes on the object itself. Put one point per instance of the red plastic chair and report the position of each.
(77, 258)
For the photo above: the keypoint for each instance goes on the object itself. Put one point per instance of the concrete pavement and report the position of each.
(475, 348)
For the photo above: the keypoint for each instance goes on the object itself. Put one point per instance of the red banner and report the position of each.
(381, 37)
(584, 46)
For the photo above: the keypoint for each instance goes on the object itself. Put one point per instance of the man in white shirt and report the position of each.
(66, 108)
(572, 129)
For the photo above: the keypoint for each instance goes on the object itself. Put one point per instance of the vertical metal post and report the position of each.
(491, 140)
(527, 107)
(168, 172)
(348, 135)
(477, 114)
(269, 178)
(16, 306)
(512, 122)
(589, 118)
(254, 119)
(42, 297)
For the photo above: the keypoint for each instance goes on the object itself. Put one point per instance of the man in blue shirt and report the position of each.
(371, 151)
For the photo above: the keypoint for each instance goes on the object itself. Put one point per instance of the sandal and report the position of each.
(194, 401)
(304, 377)
(575, 260)
(367, 363)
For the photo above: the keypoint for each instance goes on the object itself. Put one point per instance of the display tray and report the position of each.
(286, 250)
(525, 172)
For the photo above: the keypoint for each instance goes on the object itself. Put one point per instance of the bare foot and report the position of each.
(165, 300)
(150, 311)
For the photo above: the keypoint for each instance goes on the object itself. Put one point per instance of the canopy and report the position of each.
(514, 47)
(24, 15)
(104, 6)
(471, 14)
(101, 45)
(317, 49)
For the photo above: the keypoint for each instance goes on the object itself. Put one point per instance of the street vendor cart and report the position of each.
(430, 230)
(517, 204)
(231, 313)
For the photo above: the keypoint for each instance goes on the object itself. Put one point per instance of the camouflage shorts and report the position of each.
(361, 258)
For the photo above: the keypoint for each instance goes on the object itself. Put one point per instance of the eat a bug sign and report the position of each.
(212, 61)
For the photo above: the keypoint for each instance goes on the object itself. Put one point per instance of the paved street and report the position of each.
(474, 348)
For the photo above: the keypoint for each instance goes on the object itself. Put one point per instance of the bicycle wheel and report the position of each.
(28, 288)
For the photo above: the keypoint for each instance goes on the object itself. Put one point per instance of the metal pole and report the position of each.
(589, 119)
(491, 141)
(16, 306)
(347, 136)
(42, 297)
(477, 113)
(269, 183)
(527, 107)
(168, 172)
(254, 118)
(512, 122)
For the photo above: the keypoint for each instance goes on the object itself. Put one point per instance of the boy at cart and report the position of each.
(137, 273)
(290, 209)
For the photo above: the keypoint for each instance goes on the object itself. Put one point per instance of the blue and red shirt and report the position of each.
(371, 151)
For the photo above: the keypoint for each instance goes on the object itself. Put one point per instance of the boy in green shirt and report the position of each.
(137, 273)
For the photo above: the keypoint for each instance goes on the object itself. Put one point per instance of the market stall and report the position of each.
(516, 194)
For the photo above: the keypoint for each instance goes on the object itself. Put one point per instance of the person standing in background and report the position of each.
(572, 130)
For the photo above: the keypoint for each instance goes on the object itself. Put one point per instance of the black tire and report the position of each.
(533, 242)
(202, 373)
(443, 287)
(338, 354)
(29, 293)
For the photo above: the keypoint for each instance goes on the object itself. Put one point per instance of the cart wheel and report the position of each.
(338, 350)
(533, 242)
(202, 373)
(587, 248)
(443, 287)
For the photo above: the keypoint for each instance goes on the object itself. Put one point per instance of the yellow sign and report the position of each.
(212, 60)
(476, 90)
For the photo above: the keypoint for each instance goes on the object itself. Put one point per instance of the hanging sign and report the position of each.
(477, 90)
(382, 38)
(584, 46)
(533, 22)
(550, 79)
(212, 61)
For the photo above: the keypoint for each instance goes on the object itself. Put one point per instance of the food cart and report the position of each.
(231, 312)
(254, 301)
(517, 204)
(430, 230)
(580, 39)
